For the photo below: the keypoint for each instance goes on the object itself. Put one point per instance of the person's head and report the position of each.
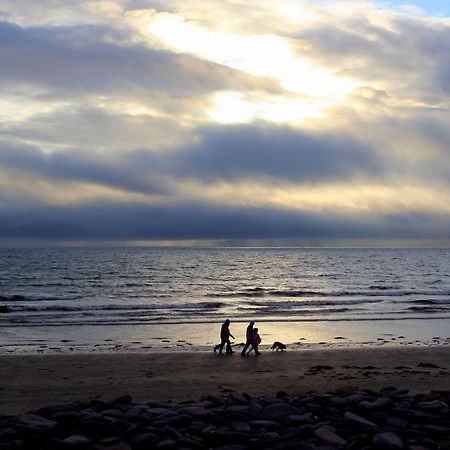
(255, 330)
(252, 323)
(227, 322)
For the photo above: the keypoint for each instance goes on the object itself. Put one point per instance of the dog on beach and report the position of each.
(278, 346)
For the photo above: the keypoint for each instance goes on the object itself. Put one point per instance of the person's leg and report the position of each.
(229, 349)
(255, 349)
(222, 344)
(247, 344)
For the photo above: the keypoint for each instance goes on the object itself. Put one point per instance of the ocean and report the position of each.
(174, 299)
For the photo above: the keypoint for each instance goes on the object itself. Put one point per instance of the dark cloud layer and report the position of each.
(233, 152)
(230, 153)
(201, 221)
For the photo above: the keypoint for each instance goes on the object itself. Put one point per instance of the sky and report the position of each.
(247, 121)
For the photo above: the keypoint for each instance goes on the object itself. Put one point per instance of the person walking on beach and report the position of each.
(256, 340)
(248, 337)
(225, 335)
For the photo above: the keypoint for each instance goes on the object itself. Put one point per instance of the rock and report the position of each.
(302, 418)
(267, 424)
(414, 416)
(195, 411)
(38, 422)
(388, 440)
(380, 404)
(176, 420)
(167, 444)
(280, 410)
(255, 406)
(144, 440)
(134, 412)
(396, 422)
(66, 416)
(77, 441)
(237, 408)
(112, 413)
(224, 436)
(119, 446)
(122, 400)
(159, 411)
(432, 405)
(241, 426)
(216, 399)
(436, 430)
(359, 421)
(8, 434)
(110, 441)
(238, 397)
(325, 434)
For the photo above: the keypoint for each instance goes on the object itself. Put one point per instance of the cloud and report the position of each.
(87, 166)
(73, 61)
(122, 126)
(107, 132)
(403, 54)
(230, 153)
(201, 221)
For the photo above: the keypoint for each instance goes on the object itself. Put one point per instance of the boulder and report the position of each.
(388, 440)
(359, 421)
(330, 437)
(280, 411)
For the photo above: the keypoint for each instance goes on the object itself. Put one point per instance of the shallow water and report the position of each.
(127, 298)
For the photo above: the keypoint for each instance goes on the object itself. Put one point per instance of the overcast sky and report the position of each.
(175, 120)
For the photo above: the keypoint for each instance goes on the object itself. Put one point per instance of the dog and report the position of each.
(278, 346)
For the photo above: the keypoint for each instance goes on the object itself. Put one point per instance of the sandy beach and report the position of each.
(31, 381)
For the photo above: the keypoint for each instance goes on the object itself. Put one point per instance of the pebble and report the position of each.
(280, 410)
(77, 441)
(359, 421)
(325, 434)
(348, 418)
(388, 440)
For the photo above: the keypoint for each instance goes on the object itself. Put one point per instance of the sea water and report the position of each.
(87, 299)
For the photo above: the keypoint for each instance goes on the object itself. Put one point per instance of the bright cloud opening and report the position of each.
(259, 55)
(235, 107)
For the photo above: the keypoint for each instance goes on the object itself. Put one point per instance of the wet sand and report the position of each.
(31, 381)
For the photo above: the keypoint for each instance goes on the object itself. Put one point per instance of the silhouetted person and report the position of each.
(256, 340)
(224, 338)
(248, 337)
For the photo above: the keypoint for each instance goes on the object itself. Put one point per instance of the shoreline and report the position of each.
(201, 337)
(31, 381)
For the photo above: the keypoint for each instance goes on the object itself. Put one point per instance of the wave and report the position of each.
(429, 301)
(374, 291)
(168, 321)
(429, 309)
(112, 308)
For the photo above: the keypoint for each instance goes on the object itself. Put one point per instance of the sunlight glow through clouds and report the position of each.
(356, 198)
(21, 108)
(259, 55)
(234, 107)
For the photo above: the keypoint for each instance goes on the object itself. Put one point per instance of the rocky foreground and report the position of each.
(347, 419)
